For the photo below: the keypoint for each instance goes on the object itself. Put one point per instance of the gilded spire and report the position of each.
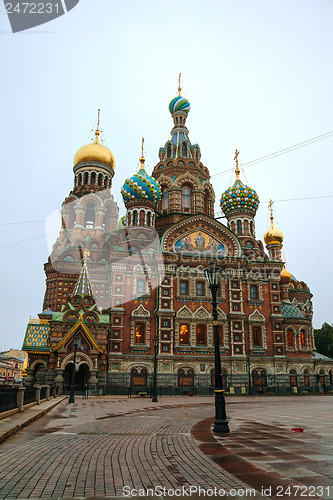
(179, 84)
(82, 286)
(142, 159)
(237, 168)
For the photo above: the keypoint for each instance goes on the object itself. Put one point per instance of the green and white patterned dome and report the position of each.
(239, 196)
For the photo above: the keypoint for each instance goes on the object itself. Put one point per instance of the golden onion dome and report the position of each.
(273, 234)
(285, 276)
(95, 151)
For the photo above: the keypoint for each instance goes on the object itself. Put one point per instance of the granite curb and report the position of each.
(13, 423)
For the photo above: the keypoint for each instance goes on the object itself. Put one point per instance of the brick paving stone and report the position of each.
(95, 447)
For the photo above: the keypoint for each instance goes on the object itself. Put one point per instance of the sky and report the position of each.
(258, 76)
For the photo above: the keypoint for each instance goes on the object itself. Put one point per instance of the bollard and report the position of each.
(231, 390)
(20, 398)
(243, 390)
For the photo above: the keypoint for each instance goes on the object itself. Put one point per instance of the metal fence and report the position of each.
(8, 399)
(29, 395)
(43, 393)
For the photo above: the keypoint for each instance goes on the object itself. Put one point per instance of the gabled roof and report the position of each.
(322, 357)
(291, 311)
(73, 331)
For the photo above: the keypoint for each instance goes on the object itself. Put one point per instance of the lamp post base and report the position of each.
(71, 399)
(154, 399)
(221, 425)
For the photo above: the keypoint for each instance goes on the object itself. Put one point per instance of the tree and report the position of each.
(324, 340)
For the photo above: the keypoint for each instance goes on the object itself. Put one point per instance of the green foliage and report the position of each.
(324, 340)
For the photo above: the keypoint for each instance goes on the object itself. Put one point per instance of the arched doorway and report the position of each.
(186, 378)
(81, 376)
(39, 373)
(293, 378)
(259, 379)
(224, 378)
(139, 377)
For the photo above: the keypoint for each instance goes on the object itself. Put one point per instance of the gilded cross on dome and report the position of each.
(86, 254)
(179, 84)
(270, 206)
(237, 168)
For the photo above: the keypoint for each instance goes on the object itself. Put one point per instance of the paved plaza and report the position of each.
(117, 447)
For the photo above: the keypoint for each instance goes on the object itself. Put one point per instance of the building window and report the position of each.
(186, 200)
(239, 227)
(135, 218)
(200, 288)
(303, 341)
(254, 292)
(186, 379)
(184, 335)
(89, 216)
(234, 284)
(141, 286)
(201, 335)
(290, 338)
(259, 378)
(184, 287)
(165, 201)
(140, 333)
(257, 338)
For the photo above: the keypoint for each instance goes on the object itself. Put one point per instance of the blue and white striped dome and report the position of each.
(141, 186)
(179, 103)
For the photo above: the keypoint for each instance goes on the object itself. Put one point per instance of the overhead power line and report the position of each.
(278, 153)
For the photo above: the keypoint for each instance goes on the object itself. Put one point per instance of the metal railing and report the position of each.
(8, 398)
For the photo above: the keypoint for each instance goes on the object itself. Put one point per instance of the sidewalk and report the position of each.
(11, 425)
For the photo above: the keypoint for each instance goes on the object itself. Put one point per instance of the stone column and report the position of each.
(20, 398)
(48, 392)
(38, 387)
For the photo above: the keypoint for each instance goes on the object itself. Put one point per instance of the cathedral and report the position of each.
(120, 290)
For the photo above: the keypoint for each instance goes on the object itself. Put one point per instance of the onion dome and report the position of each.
(239, 196)
(273, 234)
(95, 151)
(179, 103)
(141, 186)
(285, 277)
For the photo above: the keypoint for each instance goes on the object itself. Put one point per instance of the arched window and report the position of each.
(303, 339)
(206, 202)
(251, 228)
(100, 179)
(80, 179)
(232, 226)
(184, 150)
(89, 216)
(290, 338)
(257, 337)
(165, 201)
(254, 292)
(135, 218)
(201, 335)
(239, 227)
(148, 219)
(93, 178)
(169, 151)
(184, 335)
(186, 200)
(331, 376)
(106, 182)
(140, 333)
(85, 178)
(246, 228)
(142, 217)
(293, 378)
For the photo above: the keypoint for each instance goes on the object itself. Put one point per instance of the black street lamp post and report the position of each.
(220, 424)
(71, 396)
(154, 398)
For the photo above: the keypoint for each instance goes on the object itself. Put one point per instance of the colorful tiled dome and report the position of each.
(141, 186)
(239, 196)
(179, 103)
